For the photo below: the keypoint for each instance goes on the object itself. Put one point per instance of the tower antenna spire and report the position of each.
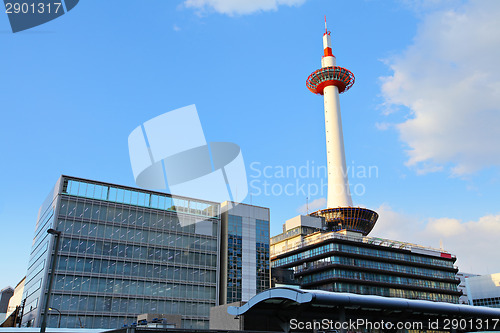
(326, 29)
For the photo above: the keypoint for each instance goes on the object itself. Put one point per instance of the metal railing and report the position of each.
(365, 240)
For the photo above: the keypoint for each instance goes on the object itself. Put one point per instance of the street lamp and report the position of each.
(59, 319)
(57, 236)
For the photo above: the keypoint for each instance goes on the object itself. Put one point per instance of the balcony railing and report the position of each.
(365, 240)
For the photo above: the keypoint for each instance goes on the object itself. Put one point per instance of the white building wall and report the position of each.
(461, 287)
(484, 286)
(303, 221)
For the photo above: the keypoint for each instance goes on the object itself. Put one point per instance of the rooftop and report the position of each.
(91, 189)
(321, 236)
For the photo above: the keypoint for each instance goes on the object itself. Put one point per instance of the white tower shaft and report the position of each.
(330, 81)
(338, 183)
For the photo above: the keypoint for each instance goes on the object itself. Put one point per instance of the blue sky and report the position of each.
(422, 113)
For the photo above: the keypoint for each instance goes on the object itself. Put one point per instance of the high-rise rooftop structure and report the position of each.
(330, 250)
(330, 81)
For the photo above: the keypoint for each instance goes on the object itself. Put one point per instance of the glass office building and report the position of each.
(123, 252)
(350, 262)
(245, 252)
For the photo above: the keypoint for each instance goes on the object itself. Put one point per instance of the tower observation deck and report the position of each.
(330, 81)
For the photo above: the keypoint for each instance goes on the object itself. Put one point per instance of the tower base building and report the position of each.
(347, 261)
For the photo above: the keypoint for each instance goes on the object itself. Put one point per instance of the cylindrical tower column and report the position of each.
(338, 183)
(330, 81)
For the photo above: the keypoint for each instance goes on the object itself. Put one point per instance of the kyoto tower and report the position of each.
(330, 81)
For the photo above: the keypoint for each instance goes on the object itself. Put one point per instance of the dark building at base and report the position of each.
(347, 261)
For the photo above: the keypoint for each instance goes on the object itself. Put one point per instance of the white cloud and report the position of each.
(395, 225)
(473, 242)
(176, 28)
(383, 126)
(312, 206)
(449, 79)
(240, 7)
(426, 5)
